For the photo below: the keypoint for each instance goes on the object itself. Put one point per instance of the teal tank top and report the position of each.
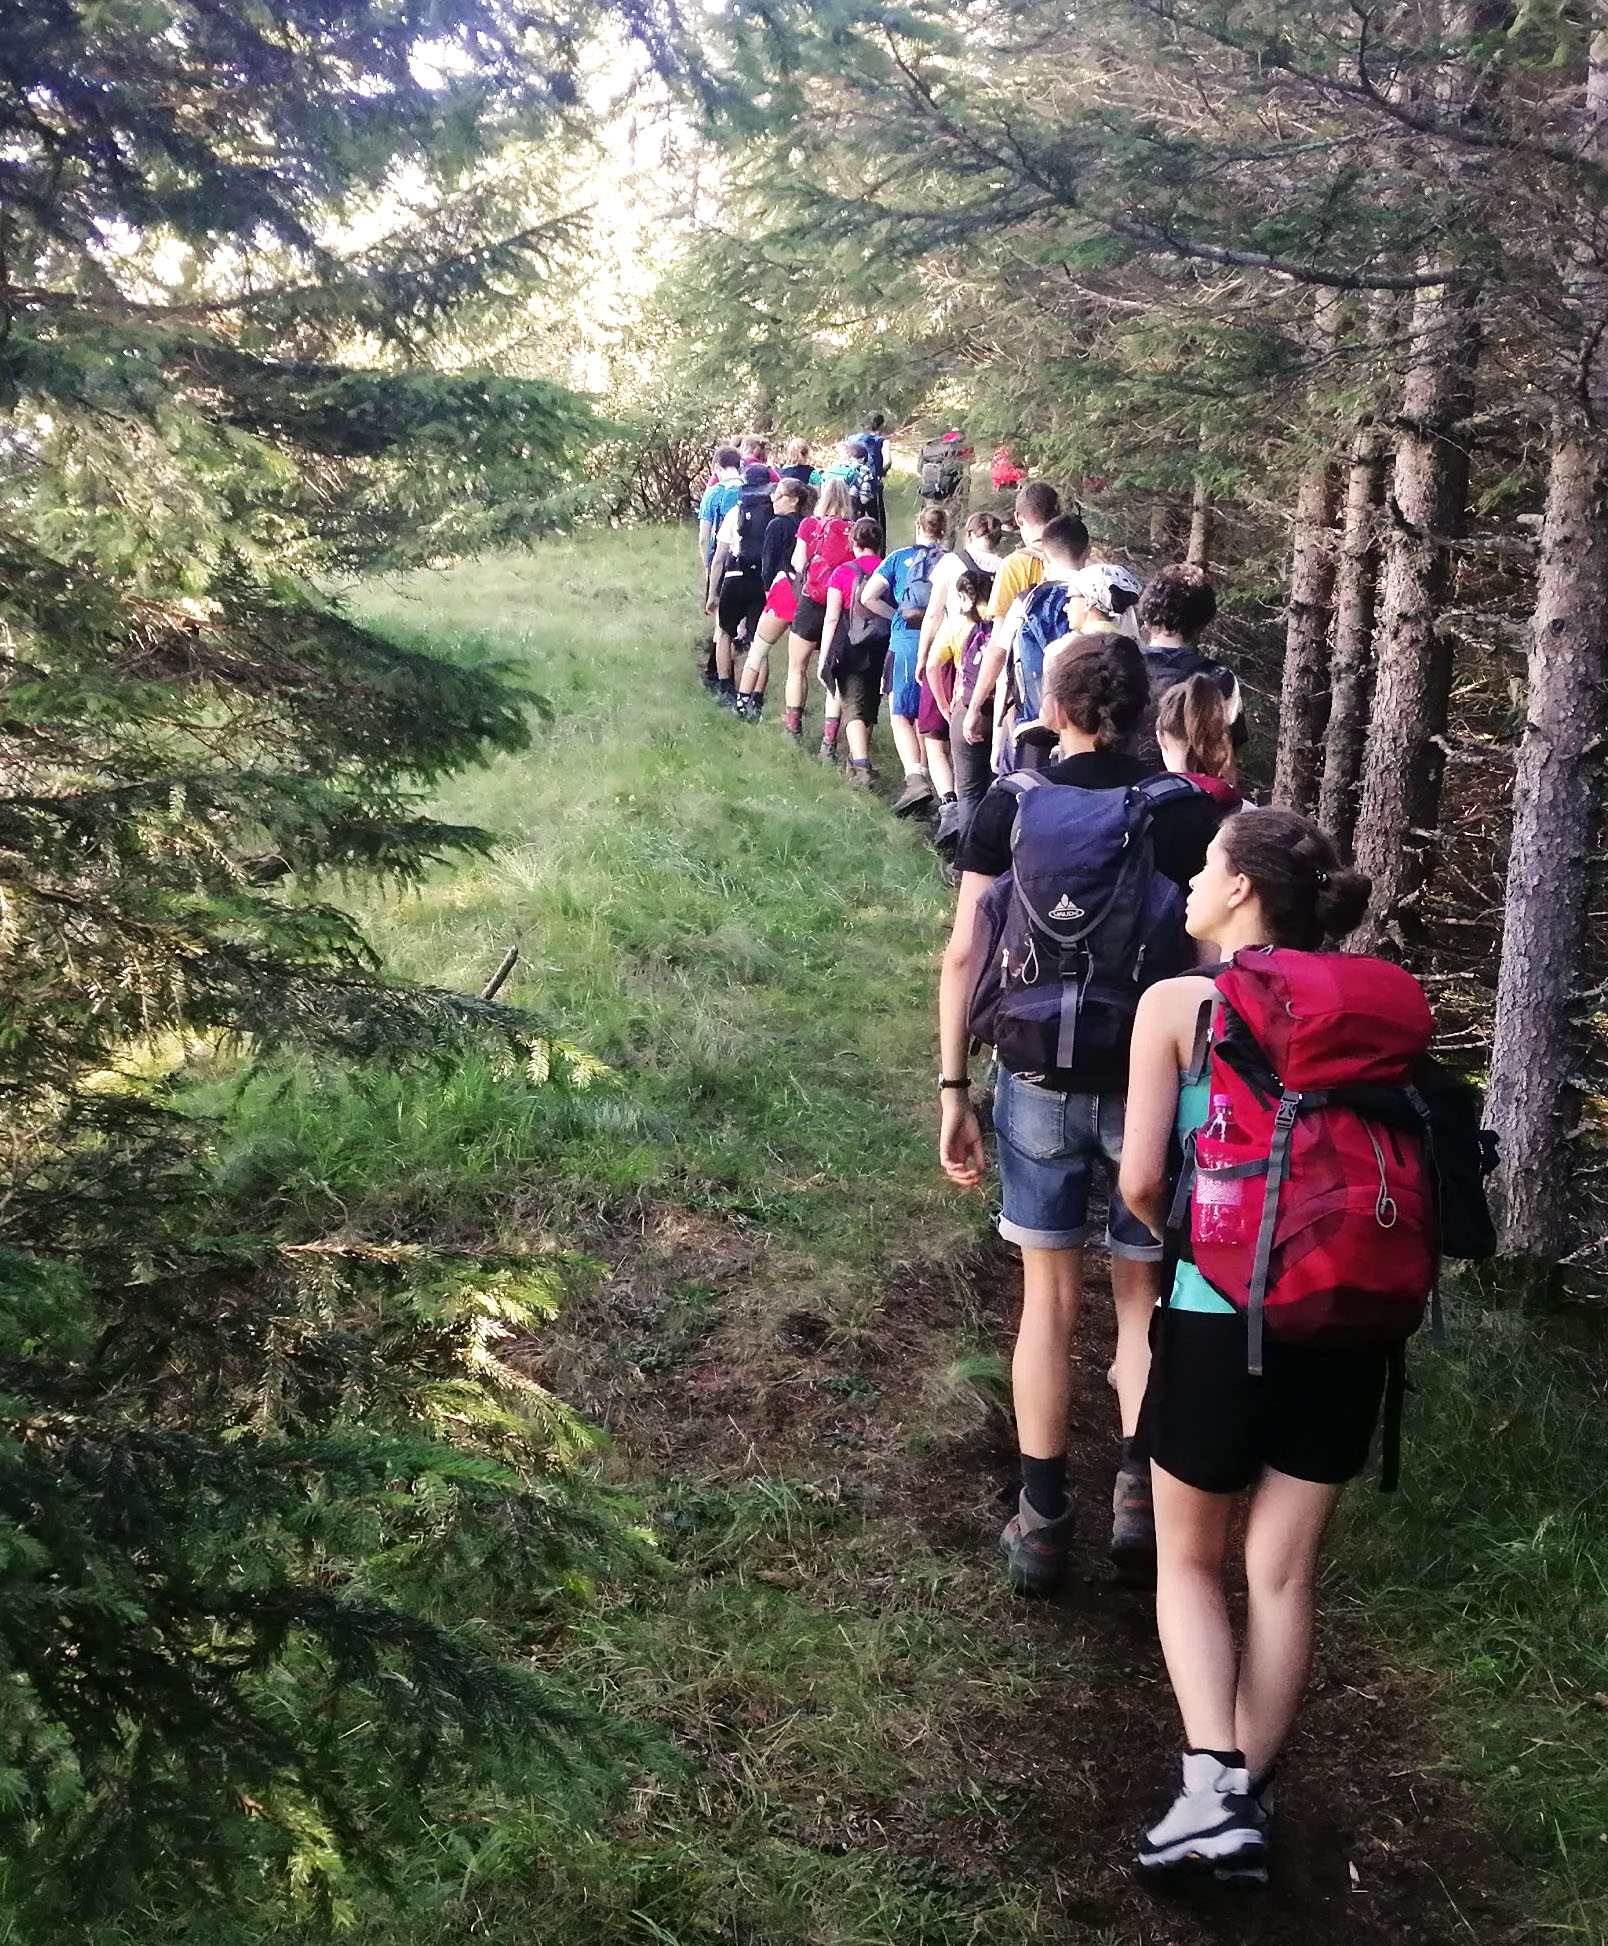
(1190, 1291)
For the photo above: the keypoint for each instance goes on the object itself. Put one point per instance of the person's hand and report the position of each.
(960, 1140)
(710, 607)
(972, 728)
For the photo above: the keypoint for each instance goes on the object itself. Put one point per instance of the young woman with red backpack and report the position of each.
(824, 543)
(1302, 1247)
(1196, 739)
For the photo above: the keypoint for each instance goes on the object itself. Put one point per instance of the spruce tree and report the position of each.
(228, 241)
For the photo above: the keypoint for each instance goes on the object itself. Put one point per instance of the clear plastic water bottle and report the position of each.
(1222, 1204)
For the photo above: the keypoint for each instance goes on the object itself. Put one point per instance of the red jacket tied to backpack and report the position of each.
(1316, 1053)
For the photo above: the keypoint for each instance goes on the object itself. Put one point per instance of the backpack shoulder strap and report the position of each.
(1018, 782)
(1166, 787)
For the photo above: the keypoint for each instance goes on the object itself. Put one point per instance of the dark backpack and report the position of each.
(1043, 622)
(918, 585)
(861, 639)
(1081, 924)
(937, 469)
(754, 513)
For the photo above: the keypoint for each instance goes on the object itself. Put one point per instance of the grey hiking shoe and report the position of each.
(917, 795)
(1133, 1523)
(1213, 1821)
(859, 776)
(827, 754)
(1035, 1549)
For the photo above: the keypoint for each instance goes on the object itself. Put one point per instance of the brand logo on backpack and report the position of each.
(1064, 908)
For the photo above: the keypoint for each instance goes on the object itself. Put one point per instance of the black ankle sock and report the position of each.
(1044, 1483)
(729, 684)
(859, 763)
(947, 798)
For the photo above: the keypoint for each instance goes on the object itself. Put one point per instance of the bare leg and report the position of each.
(1041, 1366)
(798, 670)
(907, 743)
(859, 736)
(725, 653)
(1192, 1609)
(1135, 1287)
(939, 768)
(1282, 1541)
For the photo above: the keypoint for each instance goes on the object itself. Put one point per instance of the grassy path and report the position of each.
(790, 1330)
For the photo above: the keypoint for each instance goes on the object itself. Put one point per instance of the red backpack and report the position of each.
(829, 549)
(1340, 1240)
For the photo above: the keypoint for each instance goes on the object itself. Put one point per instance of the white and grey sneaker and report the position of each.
(1253, 1870)
(1214, 1820)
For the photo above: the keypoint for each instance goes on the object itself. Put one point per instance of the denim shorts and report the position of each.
(1048, 1144)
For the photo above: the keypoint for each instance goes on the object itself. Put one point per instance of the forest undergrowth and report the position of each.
(779, 1332)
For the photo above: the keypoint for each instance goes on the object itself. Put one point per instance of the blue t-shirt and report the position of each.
(898, 570)
(717, 502)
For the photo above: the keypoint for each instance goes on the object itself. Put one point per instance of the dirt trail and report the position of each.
(1373, 1843)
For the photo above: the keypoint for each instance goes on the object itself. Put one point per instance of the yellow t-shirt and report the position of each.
(1020, 572)
(950, 640)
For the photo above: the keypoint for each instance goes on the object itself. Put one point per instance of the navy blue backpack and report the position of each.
(1077, 929)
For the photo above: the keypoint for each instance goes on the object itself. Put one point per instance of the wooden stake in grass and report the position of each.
(494, 985)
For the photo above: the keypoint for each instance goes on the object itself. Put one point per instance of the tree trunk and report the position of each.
(1531, 1101)
(1304, 692)
(1351, 666)
(1199, 553)
(1303, 698)
(1404, 759)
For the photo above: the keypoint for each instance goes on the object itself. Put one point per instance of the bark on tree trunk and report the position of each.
(1199, 553)
(1351, 665)
(1530, 1100)
(1303, 695)
(1303, 698)
(1404, 760)
(1531, 1103)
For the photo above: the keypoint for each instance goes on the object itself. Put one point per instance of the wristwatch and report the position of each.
(963, 1083)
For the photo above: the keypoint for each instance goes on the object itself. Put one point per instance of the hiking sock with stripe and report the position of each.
(829, 733)
(793, 720)
(1044, 1483)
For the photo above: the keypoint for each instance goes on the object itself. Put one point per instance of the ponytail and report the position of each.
(1194, 713)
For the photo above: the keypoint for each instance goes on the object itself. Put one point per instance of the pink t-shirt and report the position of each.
(843, 578)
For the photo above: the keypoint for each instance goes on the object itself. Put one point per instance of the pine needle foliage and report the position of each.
(251, 1488)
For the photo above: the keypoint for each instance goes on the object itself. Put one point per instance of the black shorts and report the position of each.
(808, 623)
(860, 692)
(1214, 1426)
(742, 597)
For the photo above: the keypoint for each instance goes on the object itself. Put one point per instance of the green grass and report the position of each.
(1488, 1581)
(751, 952)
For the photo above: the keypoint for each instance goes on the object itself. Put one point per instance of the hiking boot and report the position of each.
(728, 698)
(1035, 1549)
(827, 754)
(917, 794)
(1213, 1821)
(950, 818)
(749, 707)
(1133, 1523)
(859, 776)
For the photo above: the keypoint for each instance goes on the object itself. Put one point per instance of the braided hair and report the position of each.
(1305, 893)
(1099, 685)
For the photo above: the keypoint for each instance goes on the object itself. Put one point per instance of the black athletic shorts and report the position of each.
(808, 623)
(1211, 1424)
(742, 598)
(860, 692)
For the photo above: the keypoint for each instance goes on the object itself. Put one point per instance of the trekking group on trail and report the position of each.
(1149, 961)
